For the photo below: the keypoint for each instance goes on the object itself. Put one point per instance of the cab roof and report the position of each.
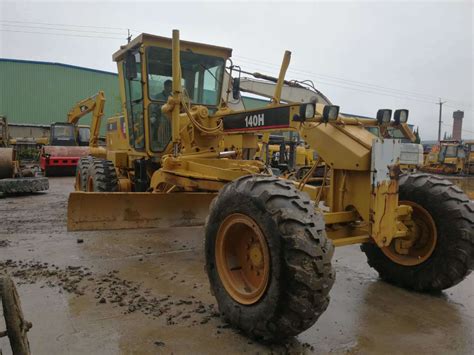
(165, 42)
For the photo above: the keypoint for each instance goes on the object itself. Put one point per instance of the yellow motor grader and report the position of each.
(180, 154)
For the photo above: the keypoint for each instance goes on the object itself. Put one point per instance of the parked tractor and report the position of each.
(181, 155)
(451, 157)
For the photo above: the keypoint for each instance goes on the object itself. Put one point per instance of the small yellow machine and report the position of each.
(451, 157)
(268, 241)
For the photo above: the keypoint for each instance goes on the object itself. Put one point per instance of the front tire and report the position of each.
(101, 176)
(259, 224)
(452, 256)
(82, 173)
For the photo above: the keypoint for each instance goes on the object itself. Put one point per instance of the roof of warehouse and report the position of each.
(57, 64)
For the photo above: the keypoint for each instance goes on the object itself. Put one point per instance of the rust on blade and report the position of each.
(126, 210)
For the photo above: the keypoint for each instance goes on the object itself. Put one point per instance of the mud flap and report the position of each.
(127, 210)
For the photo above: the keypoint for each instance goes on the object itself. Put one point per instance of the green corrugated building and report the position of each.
(43, 92)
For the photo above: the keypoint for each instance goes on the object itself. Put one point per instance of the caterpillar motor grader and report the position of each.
(268, 241)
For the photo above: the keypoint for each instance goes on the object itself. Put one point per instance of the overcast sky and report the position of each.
(362, 55)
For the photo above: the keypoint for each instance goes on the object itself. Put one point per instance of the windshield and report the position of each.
(201, 76)
(451, 151)
(65, 131)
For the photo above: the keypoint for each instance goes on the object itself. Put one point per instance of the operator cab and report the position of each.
(145, 68)
(451, 151)
(62, 134)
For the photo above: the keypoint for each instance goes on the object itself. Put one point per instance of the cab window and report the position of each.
(134, 92)
(201, 75)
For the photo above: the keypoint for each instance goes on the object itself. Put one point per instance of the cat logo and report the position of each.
(255, 120)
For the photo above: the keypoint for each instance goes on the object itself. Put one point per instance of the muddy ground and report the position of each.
(145, 291)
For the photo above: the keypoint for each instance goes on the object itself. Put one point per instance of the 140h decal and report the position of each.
(267, 118)
(255, 120)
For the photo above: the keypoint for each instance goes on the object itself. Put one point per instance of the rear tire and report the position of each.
(453, 256)
(16, 325)
(300, 273)
(82, 173)
(101, 176)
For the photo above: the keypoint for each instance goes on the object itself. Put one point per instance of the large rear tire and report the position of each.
(82, 173)
(267, 257)
(101, 176)
(447, 214)
(24, 185)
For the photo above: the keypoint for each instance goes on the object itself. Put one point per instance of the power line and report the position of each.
(67, 25)
(61, 29)
(327, 79)
(359, 83)
(463, 130)
(368, 90)
(353, 82)
(457, 108)
(61, 34)
(440, 103)
(376, 92)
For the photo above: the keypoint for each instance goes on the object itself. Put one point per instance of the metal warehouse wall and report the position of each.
(42, 93)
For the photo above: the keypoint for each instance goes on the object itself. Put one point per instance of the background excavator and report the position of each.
(287, 153)
(70, 141)
(186, 157)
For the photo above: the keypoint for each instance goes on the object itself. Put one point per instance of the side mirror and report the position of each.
(236, 88)
(130, 66)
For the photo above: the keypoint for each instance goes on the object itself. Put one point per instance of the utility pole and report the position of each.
(129, 36)
(440, 103)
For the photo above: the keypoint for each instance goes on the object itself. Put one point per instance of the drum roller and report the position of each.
(6, 163)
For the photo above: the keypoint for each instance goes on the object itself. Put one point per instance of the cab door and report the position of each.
(134, 100)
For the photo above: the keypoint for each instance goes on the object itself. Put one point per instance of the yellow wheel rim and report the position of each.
(242, 258)
(77, 186)
(90, 185)
(423, 234)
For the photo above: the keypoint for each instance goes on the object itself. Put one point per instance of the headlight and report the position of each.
(307, 111)
(330, 113)
(384, 116)
(400, 116)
